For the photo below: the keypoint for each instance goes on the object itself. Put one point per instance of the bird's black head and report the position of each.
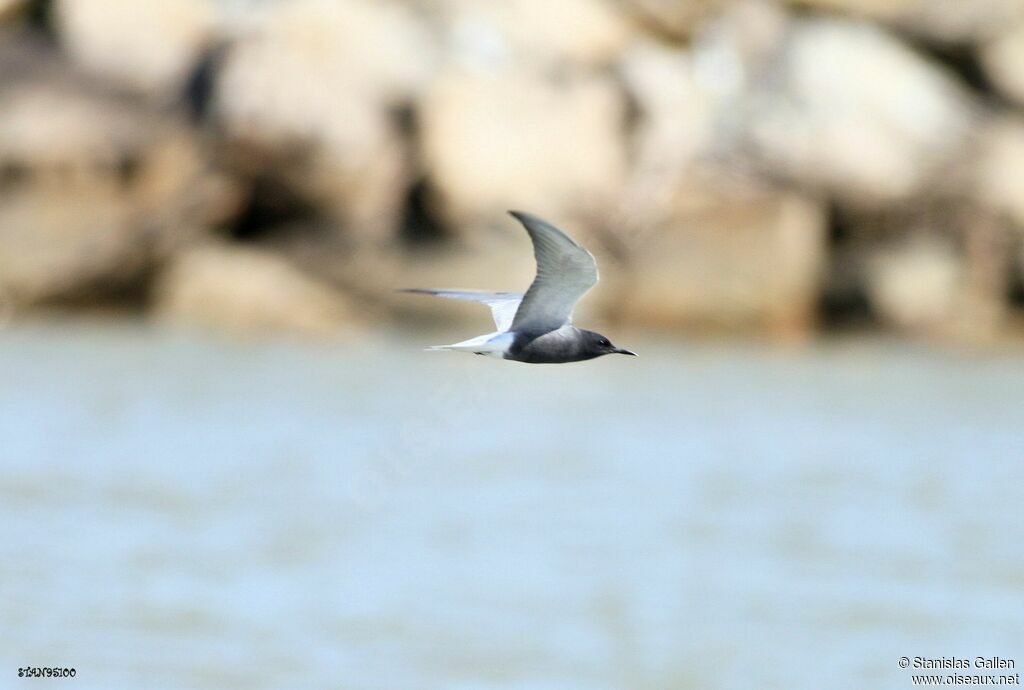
(596, 345)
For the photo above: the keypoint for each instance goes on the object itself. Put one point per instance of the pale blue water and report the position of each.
(183, 512)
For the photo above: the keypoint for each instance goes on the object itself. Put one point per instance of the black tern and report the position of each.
(536, 328)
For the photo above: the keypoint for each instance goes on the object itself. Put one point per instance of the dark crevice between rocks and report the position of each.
(845, 307)
(633, 115)
(128, 167)
(201, 84)
(130, 294)
(13, 173)
(403, 115)
(963, 62)
(844, 304)
(673, 34)
(1015, 289)
(420, 227)
(271, 206)
(40, 17)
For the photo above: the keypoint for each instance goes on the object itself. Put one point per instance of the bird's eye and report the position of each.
(604, 342)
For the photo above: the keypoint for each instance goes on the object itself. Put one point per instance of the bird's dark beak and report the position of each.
(623, 351)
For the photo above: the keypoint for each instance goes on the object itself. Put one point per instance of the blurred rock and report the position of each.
(495, 34)
(518, 139)
(999, 172)
(761, 95)
(949, 21)
(367, 145)
(671, 18)
(306, 97)
(672, 132)
(988, 255)
(959, 22)
(747, 260)
(96, 188)
(1002, 58)
(914, 285)
(61, 240)
(246, 290)
(833, 106)
(148, 44)
(941, 273)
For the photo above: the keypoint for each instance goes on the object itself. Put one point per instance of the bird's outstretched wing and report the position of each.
(565, 271)
(503, 304)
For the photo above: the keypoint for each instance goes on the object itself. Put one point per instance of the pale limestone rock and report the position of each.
(308, 90)
(999, 171)
(747, 261)
(375, 47)
(65, 234)
(517, 139)
(914, 286)
(49, 127)
(97, 189)
(62, 239)
(579, 32)
(715, 246)
(244, 290)
(835, 106)
(949, 21)
(147, 44)
(702, 243)
(940, 271)
(674, 129)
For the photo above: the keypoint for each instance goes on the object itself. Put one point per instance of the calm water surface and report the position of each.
(183, 512)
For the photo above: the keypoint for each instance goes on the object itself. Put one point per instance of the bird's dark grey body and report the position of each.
(536, 328)
(563, 345)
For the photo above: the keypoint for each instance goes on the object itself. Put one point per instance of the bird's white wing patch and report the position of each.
(565, 271)
(503, 304)
(491, 344)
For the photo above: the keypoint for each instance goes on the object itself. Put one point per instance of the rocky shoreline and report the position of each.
(771, 168)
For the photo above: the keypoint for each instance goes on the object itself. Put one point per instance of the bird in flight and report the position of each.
(536, 327)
